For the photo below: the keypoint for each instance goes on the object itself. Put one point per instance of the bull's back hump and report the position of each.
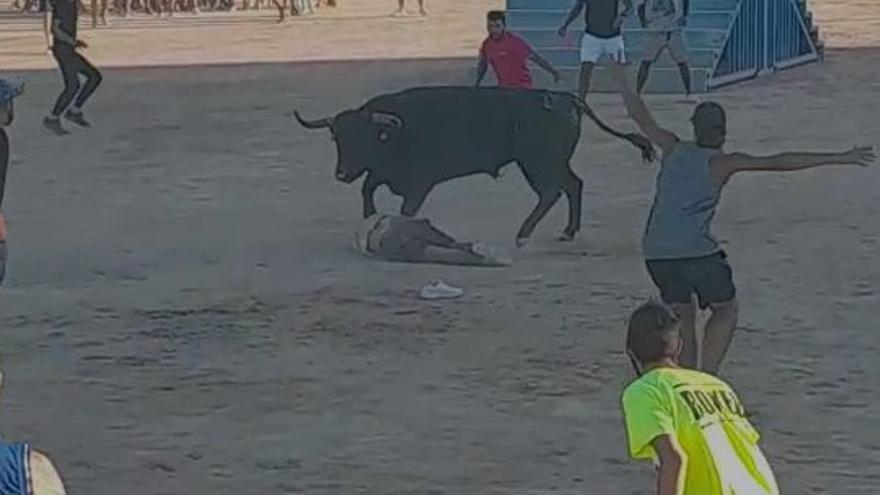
(451, 104)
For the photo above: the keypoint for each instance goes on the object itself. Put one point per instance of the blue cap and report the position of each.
(10, 89)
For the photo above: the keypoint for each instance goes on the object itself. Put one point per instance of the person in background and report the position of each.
(8, 92)
(401, 9)
(665, 19)
(508, 55)
(692, 425)
(103, 13)
(603, 36)
(60, 26)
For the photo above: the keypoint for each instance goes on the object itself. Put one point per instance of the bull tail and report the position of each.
(641, 142)
(586, 110)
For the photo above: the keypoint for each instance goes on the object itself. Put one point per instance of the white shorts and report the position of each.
(670, 40)
(593, 49)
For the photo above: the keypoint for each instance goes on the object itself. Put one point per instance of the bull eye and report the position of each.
(383, 136)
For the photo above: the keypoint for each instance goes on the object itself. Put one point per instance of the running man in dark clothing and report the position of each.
(60, 27)
(8, 91)
(603, 36)
(682, 256)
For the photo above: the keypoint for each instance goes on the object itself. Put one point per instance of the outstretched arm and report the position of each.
(648, 152)
(725, 166)
(639, 112)
(482, 66)
(47, 26)
(58, 33)
(544, 64)
(576, 10)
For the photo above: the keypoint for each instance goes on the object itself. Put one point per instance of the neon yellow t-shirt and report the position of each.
(708, 420)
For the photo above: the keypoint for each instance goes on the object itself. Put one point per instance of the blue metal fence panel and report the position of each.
(790, 39)
(742, 55)
(766, 35)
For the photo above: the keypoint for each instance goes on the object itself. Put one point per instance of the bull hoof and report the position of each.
(522, 242)
(565, 237)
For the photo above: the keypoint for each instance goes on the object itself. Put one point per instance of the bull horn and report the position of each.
(386, 118)
(312, 124)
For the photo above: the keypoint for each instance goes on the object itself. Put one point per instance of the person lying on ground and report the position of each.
(415, 240)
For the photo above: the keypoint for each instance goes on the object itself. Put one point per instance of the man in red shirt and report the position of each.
(508, 55)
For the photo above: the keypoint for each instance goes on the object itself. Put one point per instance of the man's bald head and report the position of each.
(710, 125)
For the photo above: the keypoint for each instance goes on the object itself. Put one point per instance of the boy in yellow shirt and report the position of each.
(690, 424)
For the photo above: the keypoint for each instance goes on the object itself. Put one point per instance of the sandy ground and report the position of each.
(184, 313)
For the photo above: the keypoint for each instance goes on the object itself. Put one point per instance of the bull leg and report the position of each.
(573, 187)
(368, 189)
(413, 202)
(546, 199)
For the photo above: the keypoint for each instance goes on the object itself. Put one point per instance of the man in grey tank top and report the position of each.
(682, 256)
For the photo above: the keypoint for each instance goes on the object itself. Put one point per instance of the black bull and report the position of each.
(413, 140)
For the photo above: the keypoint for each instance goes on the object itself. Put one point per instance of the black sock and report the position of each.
(685, 76)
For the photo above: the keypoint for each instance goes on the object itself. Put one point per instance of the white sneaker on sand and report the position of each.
(439, 290)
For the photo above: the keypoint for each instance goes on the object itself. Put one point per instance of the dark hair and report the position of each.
(653, 332)
(496, 15)
(710, 124)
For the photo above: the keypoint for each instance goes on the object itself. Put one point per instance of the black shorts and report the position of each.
(709, 277)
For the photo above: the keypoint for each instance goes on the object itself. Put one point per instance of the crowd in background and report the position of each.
(159, 7)
(101, 9)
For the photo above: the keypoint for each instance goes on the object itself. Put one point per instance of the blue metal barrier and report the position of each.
(766, 35)
(727, 40)
(789, 43)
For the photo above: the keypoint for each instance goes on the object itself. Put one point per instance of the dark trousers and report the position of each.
(3, 255)
(72, 64)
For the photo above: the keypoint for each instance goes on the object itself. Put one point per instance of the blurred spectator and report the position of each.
(402, 8)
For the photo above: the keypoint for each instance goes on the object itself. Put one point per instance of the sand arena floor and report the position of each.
(184, 314)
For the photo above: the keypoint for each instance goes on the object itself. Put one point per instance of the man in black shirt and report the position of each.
(60, 28)
(8, 91)
(603, 36)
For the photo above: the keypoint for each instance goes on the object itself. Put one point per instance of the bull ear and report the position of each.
(386, 119)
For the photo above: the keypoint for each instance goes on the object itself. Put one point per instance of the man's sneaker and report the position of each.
(77, 118)
(54, 125)
(492, 255)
